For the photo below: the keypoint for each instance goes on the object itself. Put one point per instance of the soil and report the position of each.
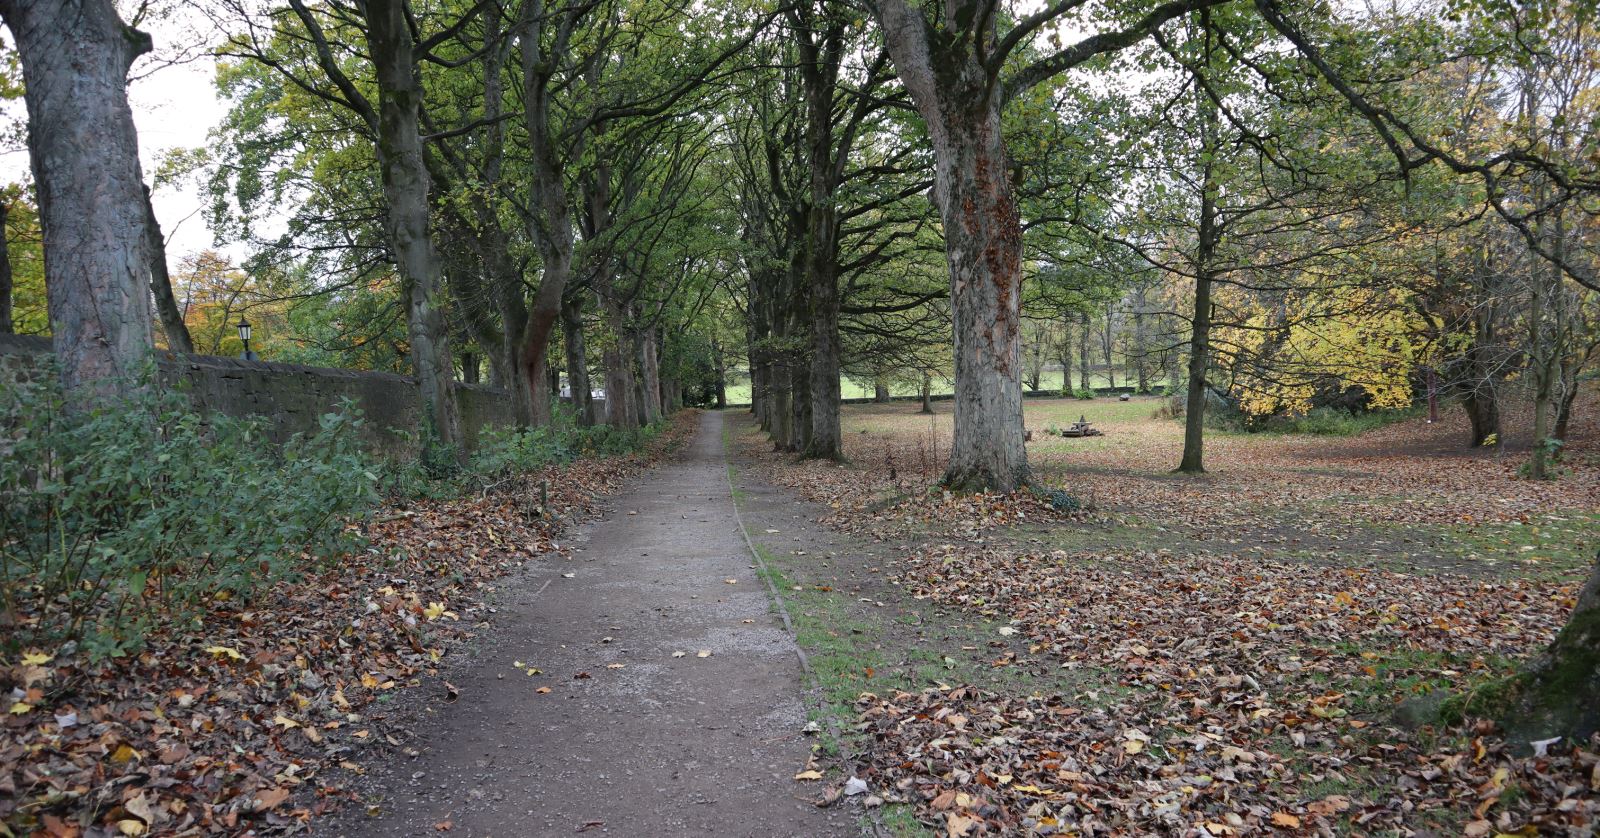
(637, 733)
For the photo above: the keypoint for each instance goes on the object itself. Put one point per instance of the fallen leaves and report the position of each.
(1224, 691)
(231, 728)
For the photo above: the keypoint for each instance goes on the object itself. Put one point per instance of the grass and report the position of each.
(1384, 492)
(850, 388)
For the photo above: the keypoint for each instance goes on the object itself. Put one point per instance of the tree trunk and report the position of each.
(6, 325)
(1194, 411)
(406, 189)
(172, 324)
(1035, 366)
(85, 158)
(471, 371)
(1174, 375)
(720, 386)
(550, 222)
(880, 391)
(1065, 350)
(927, 394)
(1107, 339)
(644, 345)
(820, 44)
(756, 331)
(826, 438)
(1140, 341)
(1085, 381)
(1482, 404)
(1194, 416)
(983, 244)
(799, 400)
(1545, 339)
(542, 317)
(1559, 693)
(1564, 411)
(620, 412)
(577, 360)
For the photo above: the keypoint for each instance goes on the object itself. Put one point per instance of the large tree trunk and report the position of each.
(826, 439)
(85, 157)
(983, 245)
(406, 189)
(820, 42)
(1559, 693)
(620, 410)
(6, 325)
(644, 346)
(1483, 412)
(550, 222)
(799, 399)
(543, 314)
(880, 391)
(172, 324)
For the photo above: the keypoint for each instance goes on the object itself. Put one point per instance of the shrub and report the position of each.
(1319, 421)
(501, 451)
(1060, 500)
(131, 516)
(1085, 393)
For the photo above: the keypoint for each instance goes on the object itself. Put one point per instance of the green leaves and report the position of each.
(134, 516)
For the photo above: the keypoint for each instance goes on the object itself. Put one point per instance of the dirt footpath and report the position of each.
(667, 698)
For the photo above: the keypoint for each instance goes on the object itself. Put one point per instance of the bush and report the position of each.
(132, 516)
(501, 451)
(1059, 499)
(1085, 393)
(1319, 421)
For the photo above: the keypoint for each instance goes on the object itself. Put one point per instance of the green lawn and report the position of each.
(849, 388)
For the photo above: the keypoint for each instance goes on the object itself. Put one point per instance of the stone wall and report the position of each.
(292, 397)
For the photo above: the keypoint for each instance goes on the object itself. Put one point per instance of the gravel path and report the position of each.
(632, 738)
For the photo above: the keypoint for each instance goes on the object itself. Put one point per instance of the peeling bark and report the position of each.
(961, 105)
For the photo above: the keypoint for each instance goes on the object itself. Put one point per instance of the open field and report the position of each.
(1283, 644)
(849, 388)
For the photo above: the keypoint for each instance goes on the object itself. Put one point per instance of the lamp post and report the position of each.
(244, 335)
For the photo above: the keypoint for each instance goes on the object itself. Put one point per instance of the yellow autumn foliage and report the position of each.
(1285, 352)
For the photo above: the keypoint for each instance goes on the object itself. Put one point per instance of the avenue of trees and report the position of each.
(1261, 207)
